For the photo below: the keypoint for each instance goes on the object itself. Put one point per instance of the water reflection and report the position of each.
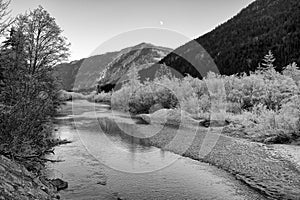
(102, 150)
(128, 133)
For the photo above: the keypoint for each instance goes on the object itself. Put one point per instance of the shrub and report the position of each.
(99, 98)
(143, 99)
(120, 99)
(290, 114)
(69, 96)
(293, 72)
(265, 102)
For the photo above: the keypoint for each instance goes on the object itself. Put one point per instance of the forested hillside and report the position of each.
(239, 44)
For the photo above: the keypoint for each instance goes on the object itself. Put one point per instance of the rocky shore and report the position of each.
(17, 183)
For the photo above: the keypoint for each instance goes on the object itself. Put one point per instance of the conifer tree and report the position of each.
(269, 60)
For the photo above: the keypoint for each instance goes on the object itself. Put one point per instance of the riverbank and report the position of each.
(22, 175)
(258, 165)
(17, 183)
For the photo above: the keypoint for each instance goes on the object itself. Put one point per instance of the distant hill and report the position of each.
(66, 72)
(239, 44)
(107, 69)
(83, 74)
(141, 57)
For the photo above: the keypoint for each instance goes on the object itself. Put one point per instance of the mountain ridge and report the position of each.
(85, 74)
(140, 57)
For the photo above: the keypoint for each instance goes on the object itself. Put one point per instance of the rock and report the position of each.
(59, 184)
(144, 118)
(121, 198)
(102, 182)
(281, 138)
(214, 123)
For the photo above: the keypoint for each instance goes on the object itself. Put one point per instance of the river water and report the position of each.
(115, 166)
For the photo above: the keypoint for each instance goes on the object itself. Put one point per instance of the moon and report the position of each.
(161, 22)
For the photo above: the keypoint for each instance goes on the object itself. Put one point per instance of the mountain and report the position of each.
(66, 72)
(239, 44)
(84, 74)
(141, 57)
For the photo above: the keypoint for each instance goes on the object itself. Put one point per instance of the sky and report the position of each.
(99, 26)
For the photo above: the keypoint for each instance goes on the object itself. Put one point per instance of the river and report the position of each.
(113, 166)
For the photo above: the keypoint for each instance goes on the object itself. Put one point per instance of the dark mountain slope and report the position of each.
(239, 44)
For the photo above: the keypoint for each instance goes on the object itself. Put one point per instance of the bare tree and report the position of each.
(44, 45)
(5, 20)
(28, 93)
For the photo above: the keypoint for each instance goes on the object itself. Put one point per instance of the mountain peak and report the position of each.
(144, 45)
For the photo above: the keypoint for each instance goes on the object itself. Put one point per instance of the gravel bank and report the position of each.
(258, 165)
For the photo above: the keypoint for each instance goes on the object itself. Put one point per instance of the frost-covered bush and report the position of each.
(272, 126)
(120, 99)
(265, 102)
(293, 72)
(148, 96)
(290, 114)
(69, 96)
(266, 87)
(100, 97)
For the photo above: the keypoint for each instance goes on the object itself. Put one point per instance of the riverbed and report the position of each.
(98, 165)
